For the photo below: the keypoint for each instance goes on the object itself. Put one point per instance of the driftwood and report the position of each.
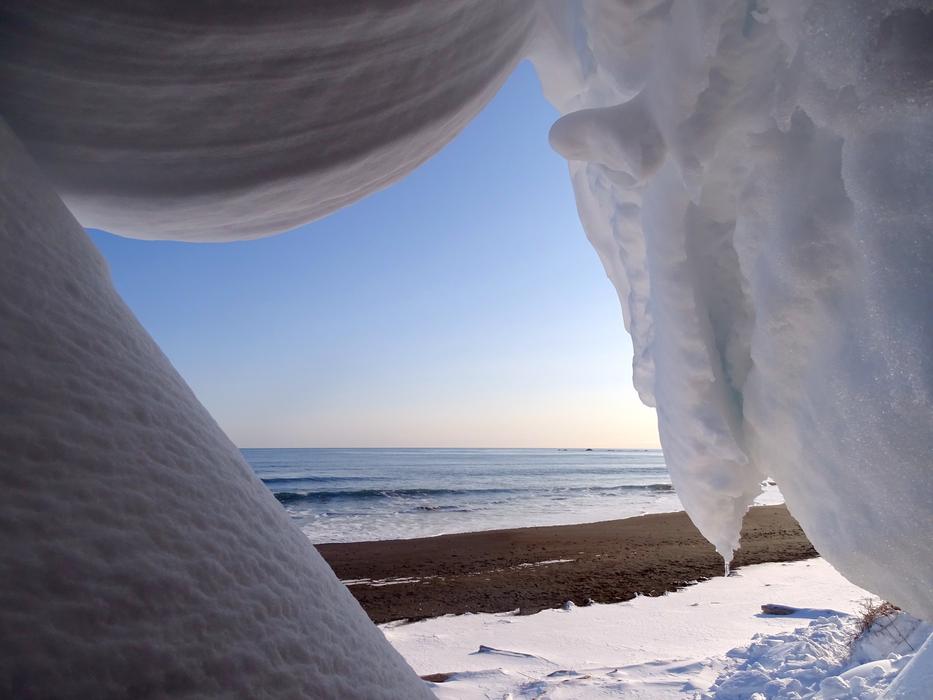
(775, 609)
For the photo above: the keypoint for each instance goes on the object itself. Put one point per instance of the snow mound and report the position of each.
(821, 662)
(141, 557)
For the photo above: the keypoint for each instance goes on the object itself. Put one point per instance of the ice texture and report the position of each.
(754, 175)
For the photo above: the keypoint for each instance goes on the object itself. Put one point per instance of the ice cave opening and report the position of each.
(754, 176)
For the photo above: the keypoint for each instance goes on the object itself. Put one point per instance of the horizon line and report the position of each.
(429, 447)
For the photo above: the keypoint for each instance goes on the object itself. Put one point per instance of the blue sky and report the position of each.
(462, 306)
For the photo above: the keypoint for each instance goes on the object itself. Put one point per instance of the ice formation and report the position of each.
(218, 124)
(141, 557)
(757, 180)
(782, 306)
(754, 175)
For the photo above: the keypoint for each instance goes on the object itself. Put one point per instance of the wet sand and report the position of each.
(542, 567)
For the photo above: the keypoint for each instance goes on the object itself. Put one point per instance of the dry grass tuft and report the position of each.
(870, 612)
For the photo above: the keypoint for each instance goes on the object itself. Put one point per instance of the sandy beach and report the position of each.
(536, 568)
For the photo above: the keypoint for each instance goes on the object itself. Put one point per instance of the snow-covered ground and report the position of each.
(708, 640)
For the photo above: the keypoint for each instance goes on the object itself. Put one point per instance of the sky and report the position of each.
(461, 307)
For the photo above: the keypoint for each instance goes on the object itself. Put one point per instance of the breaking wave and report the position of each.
(376, 494)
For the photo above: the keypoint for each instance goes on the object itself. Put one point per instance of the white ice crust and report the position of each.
(754, 175)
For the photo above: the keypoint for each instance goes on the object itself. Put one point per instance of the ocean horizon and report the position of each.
(358, 494)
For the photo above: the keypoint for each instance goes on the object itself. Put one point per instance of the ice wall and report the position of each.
(755, 177)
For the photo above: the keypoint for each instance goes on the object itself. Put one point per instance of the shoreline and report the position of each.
(534, 568)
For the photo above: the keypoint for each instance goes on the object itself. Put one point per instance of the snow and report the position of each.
(821, 661)
(916, 679)
(709, 640)
(235, 121)
(755, 178)
(139, 554)
(754, 175)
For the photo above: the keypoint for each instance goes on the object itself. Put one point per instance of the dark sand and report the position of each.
(612, 561)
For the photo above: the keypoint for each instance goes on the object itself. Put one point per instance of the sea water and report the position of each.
(347, 495)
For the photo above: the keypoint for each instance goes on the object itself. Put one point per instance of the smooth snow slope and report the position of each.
(201, 121)
(755, 176)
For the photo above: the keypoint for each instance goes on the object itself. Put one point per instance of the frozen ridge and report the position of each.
(754, 175)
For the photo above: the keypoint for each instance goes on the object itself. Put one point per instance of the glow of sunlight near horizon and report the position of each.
(461, 307)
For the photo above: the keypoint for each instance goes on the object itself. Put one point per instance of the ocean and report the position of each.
(347, 495)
